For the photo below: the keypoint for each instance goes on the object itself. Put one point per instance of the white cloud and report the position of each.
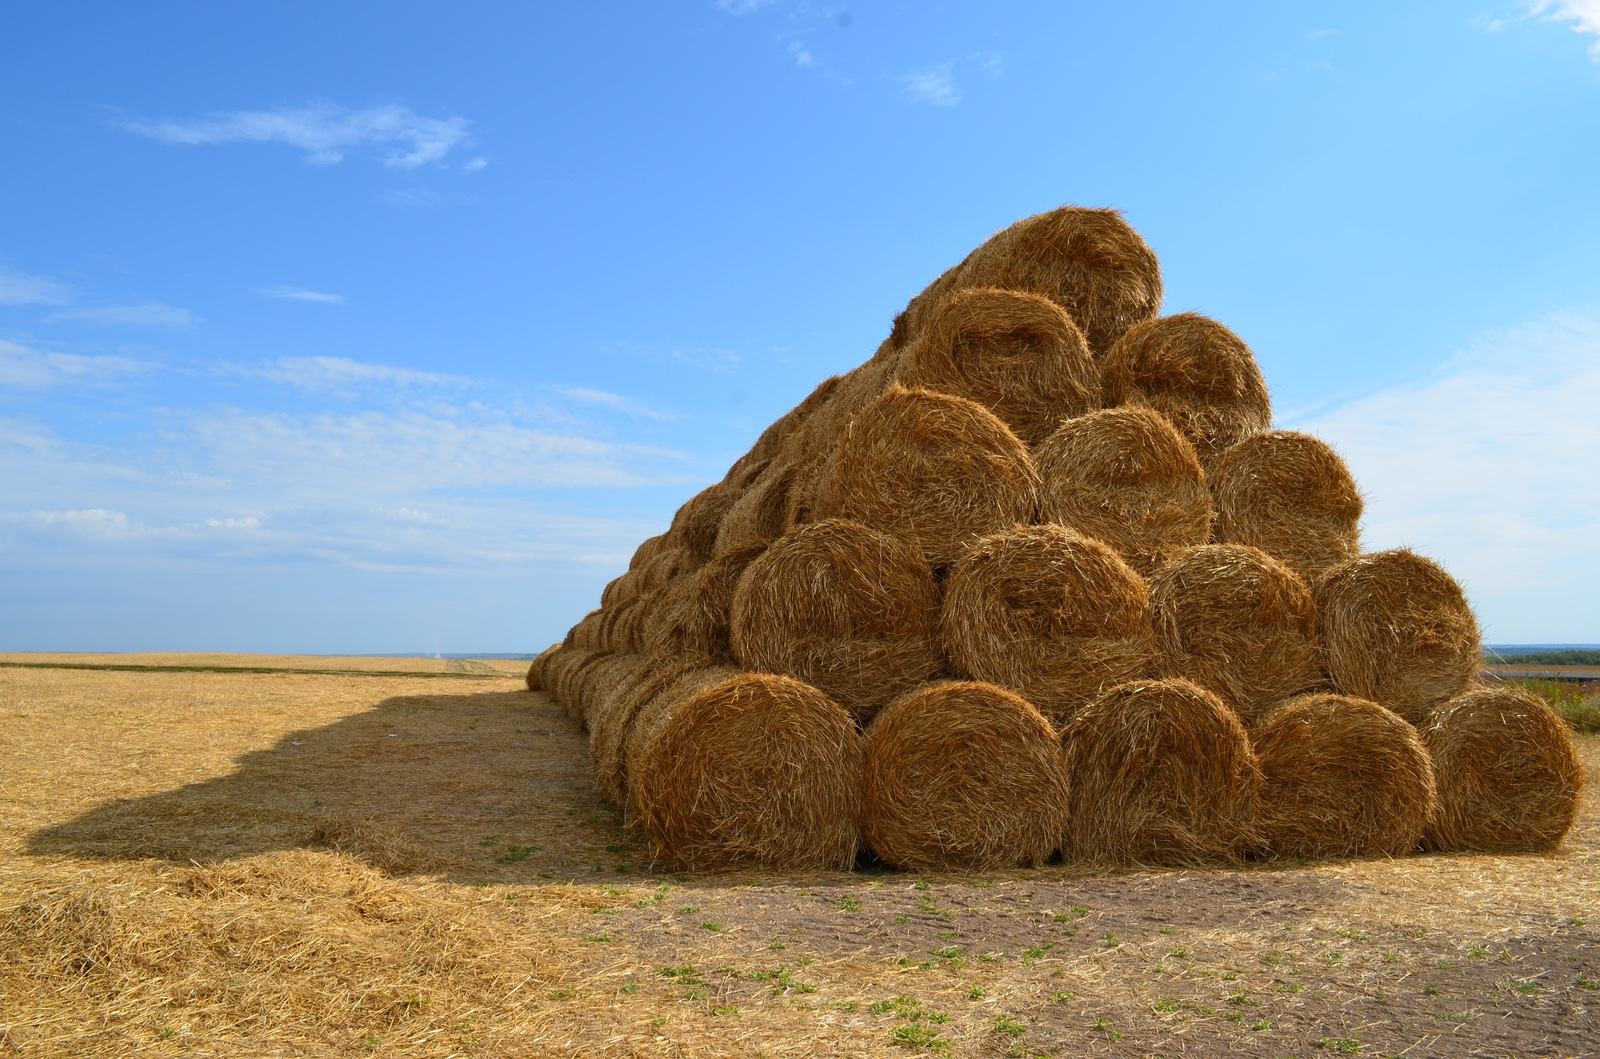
(607, 399)
(1492, 468)
(341, 374)
(931, 84)
(148, 314)
(19, 288)
(801, 55)
(475, 164)
(300, 294)
(1583, 14)
(742, 7)
(26, 368)
(324, 131)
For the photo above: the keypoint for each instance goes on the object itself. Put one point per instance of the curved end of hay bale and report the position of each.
(1291, 495)
(963, 775)
(586, 634)
(1127, 477)
(776, 437)
(760, 515)
(1341, 777)
(669, 562)
(614, 718)
(1017, 354)
(646, 551)
(1162, 773)
(1397, 630)
(1195, 372)
(694, 527)
(1507, 772)
(1234, 619)
(1048, 614)
(752, 770)
(842, 607)
(689, 620)
(536, 669)
(1088, 261)
(560, 672)
(932, 469)
(594, 684)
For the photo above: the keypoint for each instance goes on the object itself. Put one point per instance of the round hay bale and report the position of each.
(1051, 615)
(669, 562)
(760, 515)
(628, 585)
(1127, 477)
(1340, 777)
(655, 703)
(1088, 261)
(1507, 772)
(1162, 773)
(776, 437)
(626, 633)
(933, 470)
(646, 551)
(536, 668)
(586, 634)
(962, 774)
(592, 684)
(1290, 495)
(1017, 354)
(857, 389)
(694, 527)
(840, 606)
(612, 721)
(613, 619)
(1197, 373)
(753, 770)
(1237, 621)
(559, 673)
(1397, 629)
(690, 621)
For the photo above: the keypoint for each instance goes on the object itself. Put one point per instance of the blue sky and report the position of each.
(383, 328)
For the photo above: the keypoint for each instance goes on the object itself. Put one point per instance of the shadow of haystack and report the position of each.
(490, 788)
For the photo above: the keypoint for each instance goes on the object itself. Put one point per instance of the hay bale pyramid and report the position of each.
(1039, 579)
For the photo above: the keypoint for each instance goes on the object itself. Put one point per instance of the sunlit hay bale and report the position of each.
(1127, 477)
(670, 562)
(962, 774)
(840, 606)
(753, 770)
(1162, 773)
(591, 684)
(775, 437)
(1290, 495)
(1341, 777)
(743, 473)
(1237, 621)
(613, 616)
(759, 516)
(1397, 629)
(1508, 775)
(577, 685)
(694, 527)
(1048, 614)
(624, 586)
(1017, 354)
(627, 633)
(931, 469)
(857, 389)
(536, 668)
(1197, 373)
(690, 621)
(1088, 261)
(558, 673)
(611, 721)
(586, 634)
(646, 551)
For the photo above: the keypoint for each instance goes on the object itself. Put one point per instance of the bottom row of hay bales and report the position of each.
(723, 768)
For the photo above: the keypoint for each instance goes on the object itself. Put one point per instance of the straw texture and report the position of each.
(1290, 495)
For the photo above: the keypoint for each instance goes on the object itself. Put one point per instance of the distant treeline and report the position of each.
(1579, 657)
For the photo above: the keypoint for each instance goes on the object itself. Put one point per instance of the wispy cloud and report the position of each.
(341, 375)
(801, 54)
(324, 131)
(931, 84)
(1490, 467)
(607, 399)
(300, 294)
(1583, 14)
(19, 288)
(26, 368)
(412, 198)
(742, 7)
(147, 314)
(475, 164)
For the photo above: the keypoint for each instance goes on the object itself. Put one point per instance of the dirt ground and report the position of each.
(201, 860)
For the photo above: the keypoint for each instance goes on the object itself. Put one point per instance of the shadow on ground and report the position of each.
(487, 788)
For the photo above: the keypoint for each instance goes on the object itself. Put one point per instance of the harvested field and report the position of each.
(408, 857)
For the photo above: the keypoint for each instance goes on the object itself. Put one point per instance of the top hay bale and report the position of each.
(1018, 354)
(1197, 373)
(934, 470)
(1088, 261)
(1290, 495)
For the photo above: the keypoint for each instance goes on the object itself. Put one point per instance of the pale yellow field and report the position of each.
(298, 863)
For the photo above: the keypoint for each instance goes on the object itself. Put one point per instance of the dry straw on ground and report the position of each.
(1398, 630)
(690, 620)
(1088, 261)
(934, 470)
(1341, 777)
(1290, 495)
(1197, 373)
(1162, 773)
(966, 775)
(1507, 773)
(843, 607)
(1127, 477)
(1019, 355)
(752, 770)
(1237, 621)
(1049, 614)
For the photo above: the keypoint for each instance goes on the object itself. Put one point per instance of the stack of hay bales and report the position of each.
(1039, 579)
